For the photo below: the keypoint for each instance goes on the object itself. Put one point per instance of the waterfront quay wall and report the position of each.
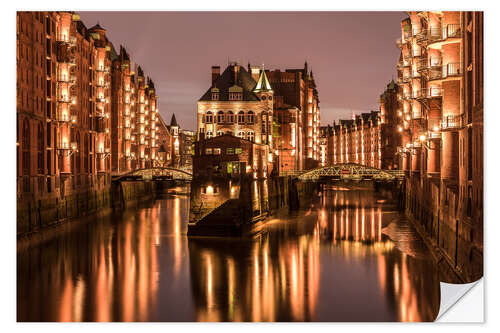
(234, 206)
(37, 214)
(454, 240)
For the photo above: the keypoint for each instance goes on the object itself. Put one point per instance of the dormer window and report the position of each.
(235, 93)
(235, 96)
(215, 93)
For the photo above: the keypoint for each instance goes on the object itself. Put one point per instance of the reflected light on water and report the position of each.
(140, 266)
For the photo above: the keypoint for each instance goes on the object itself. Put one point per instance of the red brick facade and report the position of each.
(75, 108)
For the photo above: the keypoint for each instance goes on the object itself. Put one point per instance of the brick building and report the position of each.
(238, 103)
(75, 118)
(278, 109)
(228, 155)
(296, 88)
(441, 122)
(357, 140)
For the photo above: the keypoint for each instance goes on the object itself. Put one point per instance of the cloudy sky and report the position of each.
(352, 54)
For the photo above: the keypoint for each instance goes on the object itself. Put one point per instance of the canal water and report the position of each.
(351, 257)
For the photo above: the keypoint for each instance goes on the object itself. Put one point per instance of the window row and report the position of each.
(250, 135)
(229, 117)
(218, 151)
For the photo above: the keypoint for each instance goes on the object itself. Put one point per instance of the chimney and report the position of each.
(215, 73)
(255, 73)
(236, 70)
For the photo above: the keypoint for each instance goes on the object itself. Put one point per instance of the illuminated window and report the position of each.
(209, 134)
(217, 151)
(241, 134)
(208, 151)
(209, 117)
(230, 151)
(241, 117)
(250, 117)
(251, 136)
(220, 117)
(238, 150)
(230, 117)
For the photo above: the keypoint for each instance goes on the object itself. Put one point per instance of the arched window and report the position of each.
(263, 118)
(250, 117)
(250, 136)
(230, 117)
(40, 148)
(219, 133)
(220, 117)
(209, 117)
(26, 147)
(241, 134)
(209, 134)
(241, 117)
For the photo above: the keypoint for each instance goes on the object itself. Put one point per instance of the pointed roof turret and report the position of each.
(173, 121)
(97, 27)
(263, 83)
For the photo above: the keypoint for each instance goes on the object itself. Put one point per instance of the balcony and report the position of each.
(99, 114)
(435, 73)
(432, 135)
(63, 118)
(421, 36)
(434, 92)
(452, 122)
(422, 65)
(102, 85)
(452, 69)
(64, 99)
(438, 34)
(452, 31)
(103, 69)
(403, 64)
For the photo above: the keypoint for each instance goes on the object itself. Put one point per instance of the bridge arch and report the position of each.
(155, 172)
(349, 171)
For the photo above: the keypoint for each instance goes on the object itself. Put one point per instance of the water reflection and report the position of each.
(335, 263)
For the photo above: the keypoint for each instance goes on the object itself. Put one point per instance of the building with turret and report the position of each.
(239, 103)
(274, 108)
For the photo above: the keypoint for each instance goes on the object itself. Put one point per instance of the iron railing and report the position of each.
(452, 122)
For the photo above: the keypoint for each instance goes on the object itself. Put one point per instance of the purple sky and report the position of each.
(352, 54)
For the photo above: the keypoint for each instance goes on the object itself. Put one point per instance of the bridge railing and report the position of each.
(149, 173)
(350, 171)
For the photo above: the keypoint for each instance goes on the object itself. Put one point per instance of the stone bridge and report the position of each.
(155, 173)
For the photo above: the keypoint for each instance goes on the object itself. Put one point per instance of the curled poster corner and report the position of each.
(461, 302)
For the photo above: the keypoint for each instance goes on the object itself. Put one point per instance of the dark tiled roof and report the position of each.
(226, 81)
(97, 27)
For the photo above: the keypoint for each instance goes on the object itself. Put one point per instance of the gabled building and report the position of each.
(239, 103)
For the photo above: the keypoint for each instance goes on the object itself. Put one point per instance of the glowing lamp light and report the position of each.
(210, 189)
(436, 129)
(422, 137)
